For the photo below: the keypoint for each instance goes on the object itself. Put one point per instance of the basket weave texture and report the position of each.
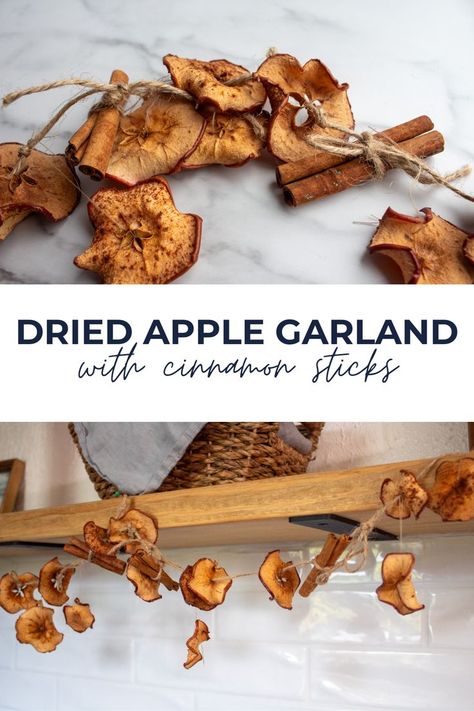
(226, 452)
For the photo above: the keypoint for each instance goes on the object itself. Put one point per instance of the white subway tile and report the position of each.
(94, 695)
(27, 692)
(83, 654)
(405, 680)
(231, 667)
(209, 701)
(7, 648)
(451, 618)
(124, 614)
(327, 616)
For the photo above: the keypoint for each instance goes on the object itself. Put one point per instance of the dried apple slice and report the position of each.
(452, 494)
(468, 248)
(140, 237)
(404, 497)
(154, 139)
(189, 596)
(209, 582)
(146, 587)
(36, 627)
(427, 249)
(134, 524)
(289, 87)
(200, 635)
(280, 580)
(17, 591)
(48, 186)
(229, 140)
(97, 538)
(216, 83)
(397, 588)
(79, 616)
(54, 579)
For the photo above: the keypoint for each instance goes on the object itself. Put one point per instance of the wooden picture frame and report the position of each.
(12, 472)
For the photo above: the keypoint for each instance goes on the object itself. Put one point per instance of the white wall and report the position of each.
(339, 650)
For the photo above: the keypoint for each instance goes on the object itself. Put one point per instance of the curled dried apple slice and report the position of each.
(279, 578)
(404, 497)
(134, 524)
(189, 596)
(54, 579)
(229, 140)
(17, 591)
(154, 139)
(79, 616)
(217, 83)
(200, 635)
(140, 237)
(49, 186)
(397, 588)
(97, 538)
(36, 627)
(146, 587)
(452, 494)
(290, 86)
(427, 249)
(209, 582)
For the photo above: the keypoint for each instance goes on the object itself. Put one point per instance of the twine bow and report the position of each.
(383, 155)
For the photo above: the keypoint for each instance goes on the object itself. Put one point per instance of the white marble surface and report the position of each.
(401, 59)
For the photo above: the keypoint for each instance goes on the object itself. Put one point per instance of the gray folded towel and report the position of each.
(135, 456)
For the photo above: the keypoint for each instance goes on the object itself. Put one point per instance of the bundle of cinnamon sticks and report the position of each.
(79, 548)
(91, 146)
(326, 173)
(334, 546)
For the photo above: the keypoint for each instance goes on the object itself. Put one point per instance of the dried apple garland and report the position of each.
(212, 112)
(204, 585)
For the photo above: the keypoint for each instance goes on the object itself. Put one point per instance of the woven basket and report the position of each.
(226, 452)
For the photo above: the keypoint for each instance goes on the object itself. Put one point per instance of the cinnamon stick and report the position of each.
(78, 142)
(147, 565)
(354, 172)
(303, 168)
(100, 143)
(330, 553)
(80, 549)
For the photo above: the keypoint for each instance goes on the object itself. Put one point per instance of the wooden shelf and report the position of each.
(247, 512)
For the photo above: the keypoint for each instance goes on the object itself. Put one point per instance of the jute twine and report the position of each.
(355, 555)
(382, 155)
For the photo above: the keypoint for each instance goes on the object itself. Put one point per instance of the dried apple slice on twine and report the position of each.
(204, 585)
(134, 524)
(397, 588)
(54, 579)
(17, 592)
(219, 83)
(229, 140)
(36, 627)
(427, 249)
(404, 497)
(280, 579)
(154, 139)
(146, 587)
(200, 635)
(140, 237)
(79, 616)
(452, 494)
(292, 87)
(49, 186)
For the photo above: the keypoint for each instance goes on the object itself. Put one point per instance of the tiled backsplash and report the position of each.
(339, 649)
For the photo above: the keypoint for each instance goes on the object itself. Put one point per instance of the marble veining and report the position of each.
(399, 63)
